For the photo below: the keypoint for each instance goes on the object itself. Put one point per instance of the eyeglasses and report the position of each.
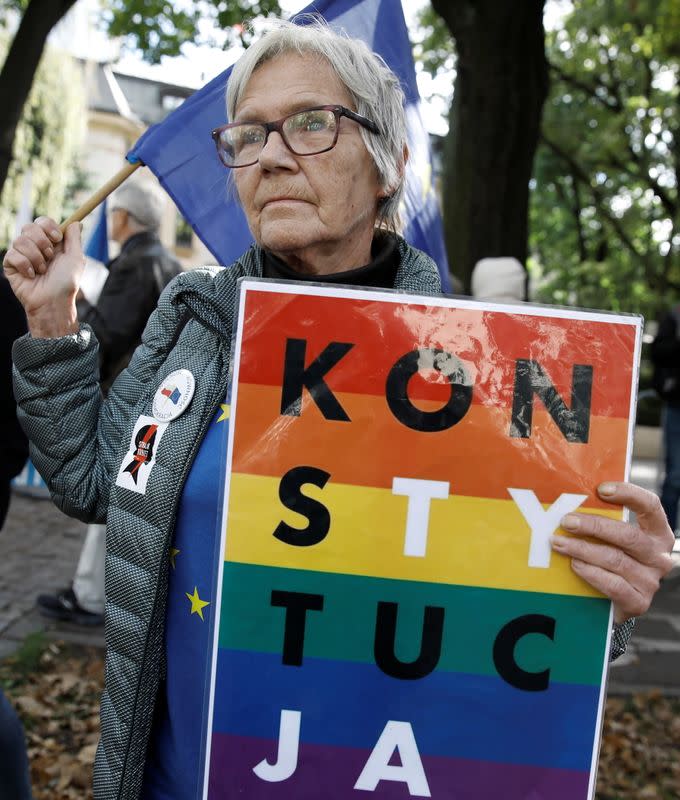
(305, 133)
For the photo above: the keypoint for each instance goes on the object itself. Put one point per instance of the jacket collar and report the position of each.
(137, 240)
(208, 294)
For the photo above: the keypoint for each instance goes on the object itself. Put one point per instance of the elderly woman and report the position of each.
(316, 146)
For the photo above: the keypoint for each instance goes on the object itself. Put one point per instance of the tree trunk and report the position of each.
(19, 69)
(501, 85)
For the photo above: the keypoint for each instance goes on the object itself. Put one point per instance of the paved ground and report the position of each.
(39, 547)
(653, 657)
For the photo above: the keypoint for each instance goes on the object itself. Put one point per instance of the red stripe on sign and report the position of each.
(488, 344)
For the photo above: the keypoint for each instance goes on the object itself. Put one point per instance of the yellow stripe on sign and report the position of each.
(471, 541)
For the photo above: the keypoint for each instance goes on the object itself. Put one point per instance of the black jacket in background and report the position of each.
(665, 353)
(136, 279)
(13, 442)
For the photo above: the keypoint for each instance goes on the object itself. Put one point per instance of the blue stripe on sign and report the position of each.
(458, 715)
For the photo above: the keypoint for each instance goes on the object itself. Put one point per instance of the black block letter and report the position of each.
(396, 390)
(295, 377)
(291, 496)
(430, 643)
(297, 604)
(504, 652)
(574, 422)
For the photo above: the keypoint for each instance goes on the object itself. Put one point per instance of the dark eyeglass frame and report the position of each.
(277, 125)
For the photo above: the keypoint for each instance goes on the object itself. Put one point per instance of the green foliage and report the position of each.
(161, 27)
(12, 5)
(47, 140)
(10, 9)
(433, 45)
(26, 660)
(605, 220)
(80, 183)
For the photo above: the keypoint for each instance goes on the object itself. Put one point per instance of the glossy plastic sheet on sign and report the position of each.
(393, 622)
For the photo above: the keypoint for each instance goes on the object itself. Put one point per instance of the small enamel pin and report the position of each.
(173, 396)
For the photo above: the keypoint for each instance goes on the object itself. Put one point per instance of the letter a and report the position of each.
(287, 758)
(396, 736)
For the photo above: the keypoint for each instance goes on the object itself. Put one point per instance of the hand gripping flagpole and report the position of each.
(111, 185)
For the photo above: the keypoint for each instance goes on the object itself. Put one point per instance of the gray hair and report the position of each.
(141, 200)
(374, 88)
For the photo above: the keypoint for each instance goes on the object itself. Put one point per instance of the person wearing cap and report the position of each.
(136, 278)
(502, 278)
(15, 780)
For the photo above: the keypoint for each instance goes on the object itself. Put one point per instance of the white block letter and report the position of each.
(542, 522)
(396, 736)
(419, 494)
(289, 741)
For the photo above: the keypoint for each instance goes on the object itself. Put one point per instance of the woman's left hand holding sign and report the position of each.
(624, 561)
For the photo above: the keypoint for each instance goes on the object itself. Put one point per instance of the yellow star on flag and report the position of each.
(225, 412)
(197, 605)
(173, 552)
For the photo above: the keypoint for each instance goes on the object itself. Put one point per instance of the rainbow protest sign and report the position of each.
(393, 621)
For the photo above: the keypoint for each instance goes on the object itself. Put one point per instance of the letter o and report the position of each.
(396, 391)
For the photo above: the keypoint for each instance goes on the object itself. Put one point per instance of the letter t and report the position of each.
(419, 493)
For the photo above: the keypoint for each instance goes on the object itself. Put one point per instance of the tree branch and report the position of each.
(578, 173)
(666, 200)
(18, 71)
(609, 102)
(575, 209)
(615, 86)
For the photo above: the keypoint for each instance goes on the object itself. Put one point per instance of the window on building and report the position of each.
(170, 102)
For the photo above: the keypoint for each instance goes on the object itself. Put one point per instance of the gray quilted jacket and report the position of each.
(78, 442)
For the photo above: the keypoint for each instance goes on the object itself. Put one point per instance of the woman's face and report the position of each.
(317, 213)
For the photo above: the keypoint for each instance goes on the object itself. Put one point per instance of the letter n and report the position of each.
(530, 379)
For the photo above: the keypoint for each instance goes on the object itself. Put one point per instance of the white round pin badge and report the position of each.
(173, 395)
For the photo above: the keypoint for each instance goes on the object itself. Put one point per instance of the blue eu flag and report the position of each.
(98, 244)
(180, 153)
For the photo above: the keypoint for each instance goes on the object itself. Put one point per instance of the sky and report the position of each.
(203, 63)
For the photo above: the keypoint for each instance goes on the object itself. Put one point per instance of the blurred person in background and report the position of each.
(14, 777)
(666, 359)
(137, 276)
(135, 281)
(501, 278)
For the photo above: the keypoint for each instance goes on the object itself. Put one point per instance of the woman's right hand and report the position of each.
(44, 269)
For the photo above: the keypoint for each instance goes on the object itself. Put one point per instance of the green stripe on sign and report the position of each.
(345, 629)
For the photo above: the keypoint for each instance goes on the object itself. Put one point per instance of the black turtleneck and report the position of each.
(379, 274)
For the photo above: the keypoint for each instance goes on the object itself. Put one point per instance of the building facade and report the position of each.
(120, 109)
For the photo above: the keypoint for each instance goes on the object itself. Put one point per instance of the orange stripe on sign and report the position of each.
(476, 456)
(488, 344)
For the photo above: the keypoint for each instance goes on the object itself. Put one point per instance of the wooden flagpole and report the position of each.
(111, 185)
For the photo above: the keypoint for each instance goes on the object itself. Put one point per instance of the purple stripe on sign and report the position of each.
(331, 772)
